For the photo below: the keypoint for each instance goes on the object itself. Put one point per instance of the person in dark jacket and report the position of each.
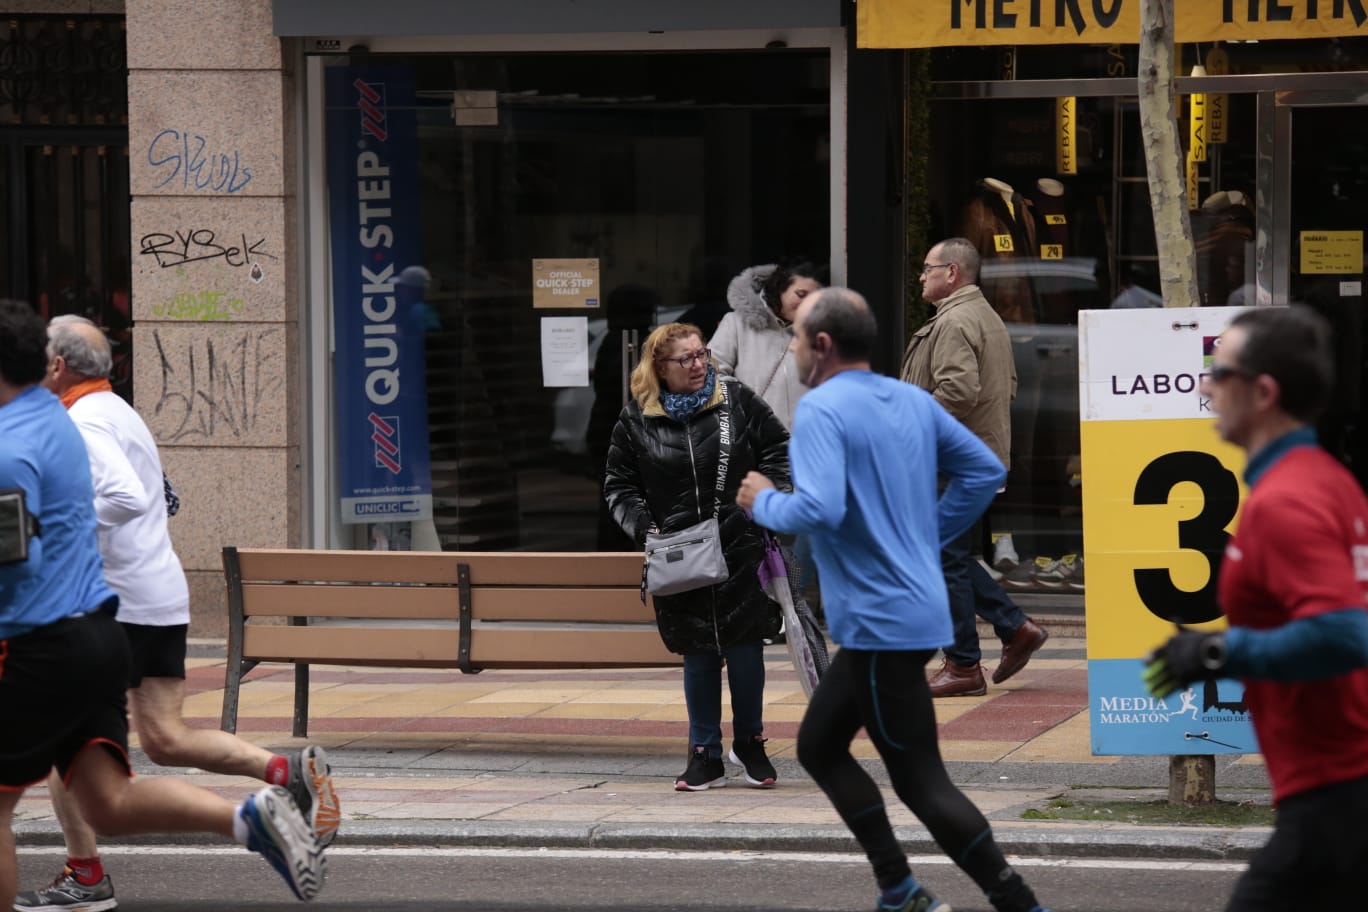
(662, 475)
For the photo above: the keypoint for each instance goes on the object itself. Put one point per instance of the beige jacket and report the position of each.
(962, 355)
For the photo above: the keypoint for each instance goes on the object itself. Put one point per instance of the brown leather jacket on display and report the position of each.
(1000, 232)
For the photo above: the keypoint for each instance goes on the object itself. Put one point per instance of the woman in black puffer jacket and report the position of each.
(661, 475)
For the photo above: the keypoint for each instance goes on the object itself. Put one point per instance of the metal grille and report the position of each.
(64, 195)
(68, 70)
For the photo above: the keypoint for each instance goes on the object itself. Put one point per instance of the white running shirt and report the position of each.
(130, 511)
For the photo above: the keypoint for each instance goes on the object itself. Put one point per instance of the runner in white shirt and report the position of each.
(154, 611)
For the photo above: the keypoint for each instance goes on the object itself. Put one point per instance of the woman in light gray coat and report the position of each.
(752, 342)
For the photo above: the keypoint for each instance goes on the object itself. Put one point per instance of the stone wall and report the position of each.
(216, 348)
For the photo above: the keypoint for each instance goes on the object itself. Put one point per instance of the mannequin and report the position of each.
(1223, 237)
(998, 221)
(1056, 233)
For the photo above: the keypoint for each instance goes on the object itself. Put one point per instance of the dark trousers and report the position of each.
(1317, 856)
(886, 694)
(973, 594)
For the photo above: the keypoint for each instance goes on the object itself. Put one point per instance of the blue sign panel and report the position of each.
(384, 468)
(1207, 718)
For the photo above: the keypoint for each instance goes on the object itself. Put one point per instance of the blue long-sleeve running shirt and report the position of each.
(866, 452)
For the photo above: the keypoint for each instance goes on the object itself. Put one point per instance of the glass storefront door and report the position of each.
(1326, 139)
(670, 172)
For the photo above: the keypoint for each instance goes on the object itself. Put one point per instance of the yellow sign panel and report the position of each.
(565, 283)
(1002, 243)
(1331, 252)
(1194, 184)
(1159, 500)
(959, 23)
(1197, 133)
(1066, 143)
(1218, 106)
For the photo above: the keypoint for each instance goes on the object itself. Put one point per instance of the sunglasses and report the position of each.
(1222, 372)
(686, 360)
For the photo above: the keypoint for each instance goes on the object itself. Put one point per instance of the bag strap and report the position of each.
(724, 446)
(774, 373)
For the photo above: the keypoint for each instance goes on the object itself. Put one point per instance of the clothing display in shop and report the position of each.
(997, 220)
(1057, 241)
(1223, 238)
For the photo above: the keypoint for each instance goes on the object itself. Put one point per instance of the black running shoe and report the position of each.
(750, 756)
(703, 773)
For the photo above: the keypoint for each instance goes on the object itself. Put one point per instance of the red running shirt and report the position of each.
(1302, 550)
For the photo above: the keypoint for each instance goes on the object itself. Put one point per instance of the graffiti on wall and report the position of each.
(198, 245)
(205, 306)
(213, 389)
(188, 159)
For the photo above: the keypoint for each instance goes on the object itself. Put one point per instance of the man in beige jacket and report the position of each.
(963, 357)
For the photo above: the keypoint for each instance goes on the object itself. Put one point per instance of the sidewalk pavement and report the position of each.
(587, 758)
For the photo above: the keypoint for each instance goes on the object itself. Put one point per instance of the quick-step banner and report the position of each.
(1161, 495)
(379, 364)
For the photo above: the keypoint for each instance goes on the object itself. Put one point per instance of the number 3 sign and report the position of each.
(1161, 494)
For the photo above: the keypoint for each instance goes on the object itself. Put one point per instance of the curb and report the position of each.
(1053, 840)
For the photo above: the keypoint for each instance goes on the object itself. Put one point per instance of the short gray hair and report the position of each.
(83, 356)
(844, 315)
(963, 254)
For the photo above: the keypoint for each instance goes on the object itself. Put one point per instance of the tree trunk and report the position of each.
(1192, 779)
(1164, 161)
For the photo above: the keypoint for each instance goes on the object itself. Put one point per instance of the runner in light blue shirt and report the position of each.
(867, 453)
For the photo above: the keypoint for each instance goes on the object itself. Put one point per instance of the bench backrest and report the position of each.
(471, 610)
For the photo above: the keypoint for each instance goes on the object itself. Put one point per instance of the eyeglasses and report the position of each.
(1221, 372)
(686, 360)
(927, 267)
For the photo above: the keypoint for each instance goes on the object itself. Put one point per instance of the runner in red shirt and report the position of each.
(1294, 586)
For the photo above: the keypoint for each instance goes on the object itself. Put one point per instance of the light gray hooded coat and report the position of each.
(752, 344)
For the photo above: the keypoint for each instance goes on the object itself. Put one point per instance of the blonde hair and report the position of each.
(645, 381)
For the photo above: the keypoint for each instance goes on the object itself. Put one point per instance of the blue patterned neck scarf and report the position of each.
(683, 406)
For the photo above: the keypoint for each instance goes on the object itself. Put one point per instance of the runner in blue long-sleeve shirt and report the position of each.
(867, 453)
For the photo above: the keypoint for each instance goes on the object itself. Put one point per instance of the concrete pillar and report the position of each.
(214, 269)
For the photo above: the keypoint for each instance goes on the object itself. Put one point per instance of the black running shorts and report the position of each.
(62, 688)
(158, 652)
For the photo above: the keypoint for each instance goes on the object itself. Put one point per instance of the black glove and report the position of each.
(1191, 655)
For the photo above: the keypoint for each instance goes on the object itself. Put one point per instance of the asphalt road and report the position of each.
(415, 879)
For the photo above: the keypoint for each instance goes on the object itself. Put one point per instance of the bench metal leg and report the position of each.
(301, 701)
(232, 688)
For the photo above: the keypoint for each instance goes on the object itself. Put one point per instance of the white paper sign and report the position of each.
(565, 351)
(1146, 364)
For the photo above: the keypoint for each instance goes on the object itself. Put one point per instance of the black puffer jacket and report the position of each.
(664, 474)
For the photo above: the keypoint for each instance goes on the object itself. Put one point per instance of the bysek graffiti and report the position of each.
(177, 248)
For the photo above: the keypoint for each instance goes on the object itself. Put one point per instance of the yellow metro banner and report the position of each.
(957, 23)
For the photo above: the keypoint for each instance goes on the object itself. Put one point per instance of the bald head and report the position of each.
(77, 351)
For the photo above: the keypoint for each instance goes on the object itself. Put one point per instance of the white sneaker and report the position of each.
(989, 570)
(1005, 555)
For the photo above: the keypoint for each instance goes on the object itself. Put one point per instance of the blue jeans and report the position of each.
(703, 694)
(973, 592)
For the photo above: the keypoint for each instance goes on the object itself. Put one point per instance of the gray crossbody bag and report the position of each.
(692, 558)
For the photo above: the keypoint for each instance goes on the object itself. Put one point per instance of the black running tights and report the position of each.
(886, 694)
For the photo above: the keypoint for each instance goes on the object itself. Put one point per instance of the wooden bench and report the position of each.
(433, 609)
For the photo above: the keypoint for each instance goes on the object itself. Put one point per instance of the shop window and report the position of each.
(669, 172)
(1056, 241)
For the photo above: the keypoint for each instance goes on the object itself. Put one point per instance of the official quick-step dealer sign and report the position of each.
(384, 465)
(1161, 495)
